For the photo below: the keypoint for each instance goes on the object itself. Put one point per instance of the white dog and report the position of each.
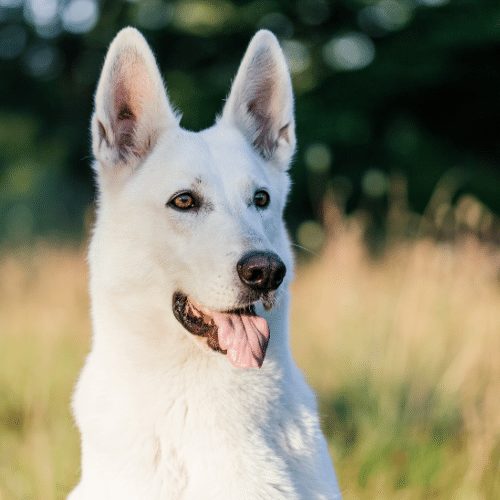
(190, 391)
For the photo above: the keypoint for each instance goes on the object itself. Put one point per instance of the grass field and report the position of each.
(403, 350)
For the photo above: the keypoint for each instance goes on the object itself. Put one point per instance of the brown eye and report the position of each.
(261, 199)
(183, 201)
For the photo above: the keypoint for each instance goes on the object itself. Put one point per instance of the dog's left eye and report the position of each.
(261, 198)
(183, 201)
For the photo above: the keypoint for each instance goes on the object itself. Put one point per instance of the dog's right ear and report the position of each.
(260, 103)
(131, 104)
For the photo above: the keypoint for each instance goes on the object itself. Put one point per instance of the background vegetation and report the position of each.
(396, 314)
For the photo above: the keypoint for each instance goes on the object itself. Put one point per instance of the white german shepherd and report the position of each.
(190, 391)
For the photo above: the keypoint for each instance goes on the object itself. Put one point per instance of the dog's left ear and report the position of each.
(260, 103)
(131, 105)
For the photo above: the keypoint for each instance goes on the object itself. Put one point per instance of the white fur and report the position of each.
(161, 416)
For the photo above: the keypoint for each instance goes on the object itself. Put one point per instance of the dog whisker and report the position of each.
(308, 250)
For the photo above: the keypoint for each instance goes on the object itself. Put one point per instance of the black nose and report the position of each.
(262, 271)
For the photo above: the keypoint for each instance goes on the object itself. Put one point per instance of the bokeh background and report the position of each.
(396, 313)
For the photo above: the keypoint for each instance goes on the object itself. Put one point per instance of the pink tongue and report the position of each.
(244, 337)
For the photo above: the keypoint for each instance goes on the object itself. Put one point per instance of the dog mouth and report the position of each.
(240, 334)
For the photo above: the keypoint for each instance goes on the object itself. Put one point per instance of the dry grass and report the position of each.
(403, 351)
(44, 331)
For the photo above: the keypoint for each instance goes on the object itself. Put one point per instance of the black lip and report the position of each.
(196, 325)
(193, 324)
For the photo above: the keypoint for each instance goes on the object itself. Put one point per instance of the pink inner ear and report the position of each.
(133, 88)
(124, 119)
(260, 109)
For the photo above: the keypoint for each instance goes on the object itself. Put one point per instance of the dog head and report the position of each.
(198, 215)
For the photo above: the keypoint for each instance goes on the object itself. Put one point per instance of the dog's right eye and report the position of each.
(183, 201)
(261, 199)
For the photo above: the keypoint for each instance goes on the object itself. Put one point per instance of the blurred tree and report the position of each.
(383, 86)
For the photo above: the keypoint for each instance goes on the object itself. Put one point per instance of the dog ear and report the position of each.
(260, 103)
(131, 104)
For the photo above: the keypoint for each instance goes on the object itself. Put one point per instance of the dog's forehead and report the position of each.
(184, 152)
(215, 155)
(233, 159)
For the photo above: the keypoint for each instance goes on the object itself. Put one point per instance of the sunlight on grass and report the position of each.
(44, 335)
(403, 350)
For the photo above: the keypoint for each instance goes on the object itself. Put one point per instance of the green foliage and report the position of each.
(391, 86)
